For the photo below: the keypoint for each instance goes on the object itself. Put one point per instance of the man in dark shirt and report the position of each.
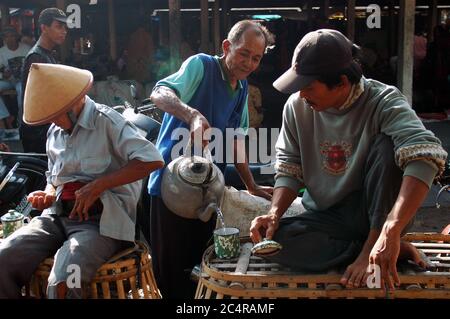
(53, 24)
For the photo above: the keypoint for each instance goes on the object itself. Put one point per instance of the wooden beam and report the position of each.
(309, 14)
(217, 36)
(392, 27)
(204, 25)
(432, 19)
(163, 30)
(326, 9)
(174, 35)
(5, 15)
(112, 30)
(406, 47)
(351, 20)
(225, 18)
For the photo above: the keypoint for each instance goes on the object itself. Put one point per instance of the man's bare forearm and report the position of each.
(412, 193)
(166, 100)
(133, 171)
(370, 242)
(411, 196)
(281, 200)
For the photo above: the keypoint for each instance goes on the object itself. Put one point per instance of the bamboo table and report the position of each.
(251, 277)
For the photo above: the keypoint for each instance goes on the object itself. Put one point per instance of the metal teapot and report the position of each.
(12, 221)
(192, 186)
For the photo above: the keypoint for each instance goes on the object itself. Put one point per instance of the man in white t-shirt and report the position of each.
(12, 55)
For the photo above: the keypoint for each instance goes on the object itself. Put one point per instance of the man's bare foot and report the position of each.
(356, 274)
(408, 251)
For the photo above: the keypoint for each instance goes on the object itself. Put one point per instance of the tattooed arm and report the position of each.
(167, 100)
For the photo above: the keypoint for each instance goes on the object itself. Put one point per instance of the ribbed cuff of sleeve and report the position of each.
(289, 182)
(421, 170)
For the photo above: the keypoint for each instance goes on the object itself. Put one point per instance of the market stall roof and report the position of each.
(232, 3)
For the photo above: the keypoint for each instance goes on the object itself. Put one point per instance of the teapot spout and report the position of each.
(206, 214)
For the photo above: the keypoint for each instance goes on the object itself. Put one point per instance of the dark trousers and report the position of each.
(177, 245)
(320, 240)
(70, 241)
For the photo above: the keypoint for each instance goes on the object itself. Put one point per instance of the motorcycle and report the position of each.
(146, 116)
(21, 174)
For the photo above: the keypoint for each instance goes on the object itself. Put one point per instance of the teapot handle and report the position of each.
(207, 154)
(206, 151)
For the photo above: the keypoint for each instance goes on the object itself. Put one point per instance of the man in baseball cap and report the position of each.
(365, 158)
(322, 52)
(49, 15)
(52, 23)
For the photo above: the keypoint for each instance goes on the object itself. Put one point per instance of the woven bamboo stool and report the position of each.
(251, 277)
(128, 274)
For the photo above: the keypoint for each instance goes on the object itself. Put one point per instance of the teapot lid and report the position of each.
(195, 170)
(11, 216)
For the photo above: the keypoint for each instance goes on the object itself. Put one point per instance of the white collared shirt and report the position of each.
(101, 142)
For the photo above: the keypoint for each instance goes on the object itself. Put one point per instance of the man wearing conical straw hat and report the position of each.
(96, 161)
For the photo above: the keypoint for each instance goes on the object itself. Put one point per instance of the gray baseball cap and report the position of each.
(319, 52)
(48, 15)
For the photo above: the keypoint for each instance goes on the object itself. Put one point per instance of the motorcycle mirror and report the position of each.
(133, 91)
(133, 94)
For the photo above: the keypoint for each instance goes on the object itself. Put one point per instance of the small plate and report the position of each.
(266, 248)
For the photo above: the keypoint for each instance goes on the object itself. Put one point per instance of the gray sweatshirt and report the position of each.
(327, 150)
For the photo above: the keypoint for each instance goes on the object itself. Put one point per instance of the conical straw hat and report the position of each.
(53, 89)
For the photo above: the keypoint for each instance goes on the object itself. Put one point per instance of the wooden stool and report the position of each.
(253, 277)
(128, 274)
